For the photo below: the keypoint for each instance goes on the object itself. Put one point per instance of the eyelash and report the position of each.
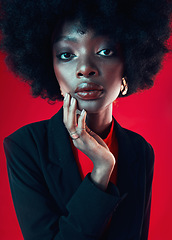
(59, 56)
(106, 50)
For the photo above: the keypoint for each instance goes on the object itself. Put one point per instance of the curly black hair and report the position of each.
(141, 26)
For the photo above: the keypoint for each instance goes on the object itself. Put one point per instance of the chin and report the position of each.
(91, 106)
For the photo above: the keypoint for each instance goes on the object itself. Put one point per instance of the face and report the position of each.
(88, 67)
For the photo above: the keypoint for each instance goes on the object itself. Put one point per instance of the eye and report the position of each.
(105, 52)
(65, 56)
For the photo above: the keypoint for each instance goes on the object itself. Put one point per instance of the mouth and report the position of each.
(89, 91)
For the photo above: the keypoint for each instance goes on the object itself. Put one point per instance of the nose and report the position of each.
(87, 70)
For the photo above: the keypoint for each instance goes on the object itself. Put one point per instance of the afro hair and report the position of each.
(142, 27)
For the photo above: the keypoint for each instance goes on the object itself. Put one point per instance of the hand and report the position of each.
(88, 142)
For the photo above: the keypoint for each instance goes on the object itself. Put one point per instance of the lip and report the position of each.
(88, 87)
(89, 91)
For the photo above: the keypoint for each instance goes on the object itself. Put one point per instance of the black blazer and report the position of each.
(52, 201)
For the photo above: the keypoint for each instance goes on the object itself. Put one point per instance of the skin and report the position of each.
(87, 57)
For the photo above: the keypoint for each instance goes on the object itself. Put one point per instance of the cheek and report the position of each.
(114, 89)
(113, 76)
(114, 70)
(63, 77)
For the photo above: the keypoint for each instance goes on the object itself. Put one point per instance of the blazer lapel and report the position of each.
(125, 219)
(126, 159)
(62, 166)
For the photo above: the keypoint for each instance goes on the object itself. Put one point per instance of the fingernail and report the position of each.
(65, 96)
(83, 112)
(72, 101)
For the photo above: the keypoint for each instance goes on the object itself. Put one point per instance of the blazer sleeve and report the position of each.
(149, 178)
(39, 216)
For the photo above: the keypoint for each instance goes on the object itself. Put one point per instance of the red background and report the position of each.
(148, 113)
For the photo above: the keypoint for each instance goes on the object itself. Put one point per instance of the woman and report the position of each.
(80, 175)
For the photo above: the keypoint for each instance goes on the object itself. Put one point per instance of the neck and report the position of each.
(100, 122)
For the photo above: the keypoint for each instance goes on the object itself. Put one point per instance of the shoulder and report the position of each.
(131, 138)
(24, 146)
(141, 147)
(138, 140)
(32, 132)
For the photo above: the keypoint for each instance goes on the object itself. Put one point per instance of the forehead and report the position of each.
(74, 31)
(72, 27)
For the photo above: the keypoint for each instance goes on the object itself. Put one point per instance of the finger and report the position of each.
(72, 120)
(81, 122)
(86, 138)
(85, 141)
(88, 130)
(66, 108)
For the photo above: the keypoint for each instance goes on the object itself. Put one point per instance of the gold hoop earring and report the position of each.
(124, 86)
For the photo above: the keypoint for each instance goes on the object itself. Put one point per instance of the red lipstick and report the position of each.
(89, 91)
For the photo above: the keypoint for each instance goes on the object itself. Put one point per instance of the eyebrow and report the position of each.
(66, 38)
